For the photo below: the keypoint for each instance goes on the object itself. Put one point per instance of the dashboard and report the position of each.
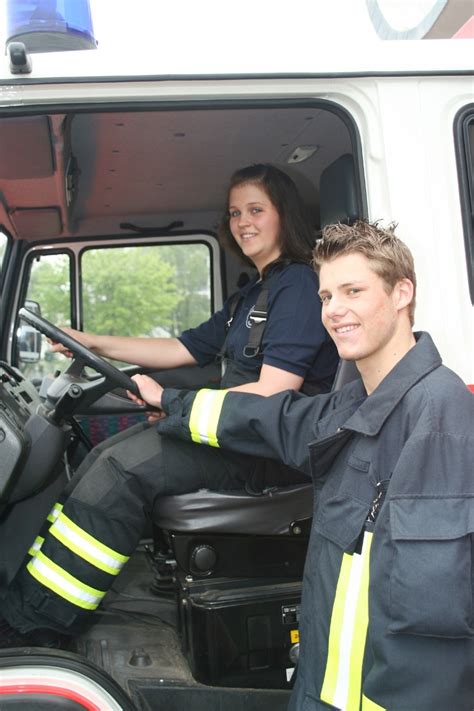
(31, 441)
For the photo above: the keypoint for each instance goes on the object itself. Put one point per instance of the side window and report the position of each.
(156, 290)
(49, 291)
(464, 137)
(3, 249)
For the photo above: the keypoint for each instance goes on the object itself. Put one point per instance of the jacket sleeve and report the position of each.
(278, 427)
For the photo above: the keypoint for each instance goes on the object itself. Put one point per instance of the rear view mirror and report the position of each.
(28, 338)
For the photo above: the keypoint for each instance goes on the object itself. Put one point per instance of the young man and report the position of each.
(387, 609)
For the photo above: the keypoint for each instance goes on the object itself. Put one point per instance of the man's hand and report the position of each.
(150, 392)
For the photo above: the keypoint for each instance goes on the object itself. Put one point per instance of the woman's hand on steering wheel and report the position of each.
(80, 336)
(79, 350)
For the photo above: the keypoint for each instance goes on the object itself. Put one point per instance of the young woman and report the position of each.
(106, 504)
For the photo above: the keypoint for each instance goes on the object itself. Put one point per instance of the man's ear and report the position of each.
(403, 293)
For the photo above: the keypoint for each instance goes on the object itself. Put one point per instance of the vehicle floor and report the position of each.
(135, 640)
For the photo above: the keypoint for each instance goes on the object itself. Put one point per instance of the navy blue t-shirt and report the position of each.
(294, 338)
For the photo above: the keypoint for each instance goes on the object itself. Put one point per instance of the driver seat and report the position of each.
(236, 534)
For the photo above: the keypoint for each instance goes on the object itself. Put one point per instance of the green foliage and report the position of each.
(156, 290)
(50, 287)
(129, 291)
(193, 274)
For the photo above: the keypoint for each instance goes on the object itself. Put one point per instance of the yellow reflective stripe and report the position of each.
(360, 628)
(348, 630)
(63, 583)
(204, 417)
(368, 705)
(87, 547)
(330, 675)
(54, 513)
(39, 540)
(36, 545)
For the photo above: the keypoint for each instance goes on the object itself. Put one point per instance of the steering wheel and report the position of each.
(109, 371)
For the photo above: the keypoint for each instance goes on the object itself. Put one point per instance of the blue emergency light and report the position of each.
(50, 25)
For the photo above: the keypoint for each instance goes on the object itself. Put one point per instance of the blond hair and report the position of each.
(390, 257)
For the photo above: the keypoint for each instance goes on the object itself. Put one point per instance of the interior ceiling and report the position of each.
(150, 167)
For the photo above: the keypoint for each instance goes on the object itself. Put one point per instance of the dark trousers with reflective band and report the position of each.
(101, 516)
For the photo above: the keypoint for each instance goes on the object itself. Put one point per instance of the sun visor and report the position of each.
(26, 148)
(35, 223)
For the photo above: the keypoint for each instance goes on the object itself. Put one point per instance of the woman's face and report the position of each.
(255, 224)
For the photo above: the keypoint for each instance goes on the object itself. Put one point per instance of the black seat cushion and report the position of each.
(235, 511)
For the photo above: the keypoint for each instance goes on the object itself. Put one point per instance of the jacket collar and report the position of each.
(420, 360)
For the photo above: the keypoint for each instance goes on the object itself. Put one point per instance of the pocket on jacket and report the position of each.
(341, 520)
(431, 581)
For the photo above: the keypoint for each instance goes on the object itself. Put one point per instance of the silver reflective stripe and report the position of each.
(348, 630)
(63, 584)
(204, 417)
(86, 546)
(36, 545)
(54, 513)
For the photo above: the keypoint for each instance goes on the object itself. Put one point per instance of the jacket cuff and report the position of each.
(172, 400)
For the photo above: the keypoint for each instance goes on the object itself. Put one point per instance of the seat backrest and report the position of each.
(338, 194)
(346, 373)
(339, 202)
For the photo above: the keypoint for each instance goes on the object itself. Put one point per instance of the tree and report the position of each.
(50, 286)
(127, 291)
(193, 274)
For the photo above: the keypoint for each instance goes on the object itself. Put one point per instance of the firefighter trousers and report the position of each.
(98, 521)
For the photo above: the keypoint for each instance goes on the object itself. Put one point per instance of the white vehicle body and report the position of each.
(402, 108)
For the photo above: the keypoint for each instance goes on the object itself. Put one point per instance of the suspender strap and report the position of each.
(258, 322)
(257, 318)
(233, 308)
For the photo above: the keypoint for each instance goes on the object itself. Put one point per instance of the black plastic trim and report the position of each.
(22, 81)
(466, 185)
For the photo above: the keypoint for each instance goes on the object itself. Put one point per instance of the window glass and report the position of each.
(464, 132)
(3, 249)
(49, 294)
(155, 290)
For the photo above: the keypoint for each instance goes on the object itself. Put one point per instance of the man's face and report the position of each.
(358, 313)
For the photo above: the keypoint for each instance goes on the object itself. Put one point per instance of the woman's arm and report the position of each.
(145, 352)
(293, 334)
(272, 380)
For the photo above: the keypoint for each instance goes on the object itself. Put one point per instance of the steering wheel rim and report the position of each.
(109, 371)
